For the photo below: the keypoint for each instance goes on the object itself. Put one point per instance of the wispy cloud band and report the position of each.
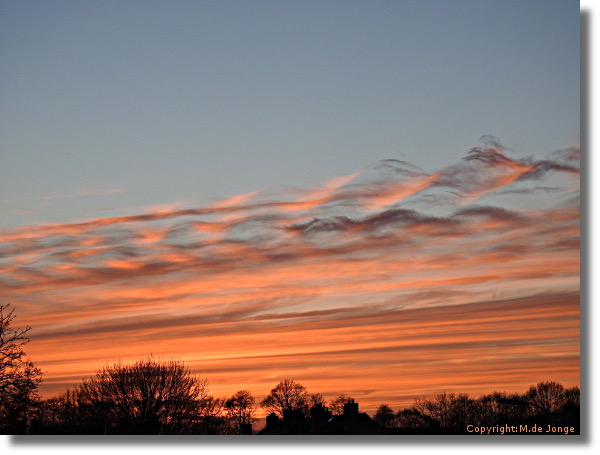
(370, 248)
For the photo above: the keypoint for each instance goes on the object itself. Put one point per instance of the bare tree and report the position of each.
(572, 396)
(146, 397)
(337, 404)
(212, 416)
(412, 418)
(548, 395)
(19, 377)
(316, 399)
(489, 411)
(240, 409)
(438, 408)
(286, 396)
(385, 416)
(72, 412)
(462, 410)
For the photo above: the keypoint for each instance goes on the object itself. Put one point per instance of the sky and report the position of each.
(372, 198)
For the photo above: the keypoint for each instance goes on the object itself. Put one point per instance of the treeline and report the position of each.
(154, 397)
(146, 397)
(546, 403)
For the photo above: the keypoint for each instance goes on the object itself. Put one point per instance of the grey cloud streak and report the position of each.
(257, 232)
(392, 268)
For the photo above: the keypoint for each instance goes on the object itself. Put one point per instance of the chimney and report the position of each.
(351, 408)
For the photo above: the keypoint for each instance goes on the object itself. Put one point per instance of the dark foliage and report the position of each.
(146, 397)
(19, 377)
(149, 398)
(337, 404)
(546, 403)
(385, 416)
(240, 410)
(287, 396)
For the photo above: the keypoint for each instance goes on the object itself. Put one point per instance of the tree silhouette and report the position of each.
(543, 403)
(211, 416)
(146, 397)
(572, 396)
(149, 397)
(548, 395)
(316, 399)
(19, 378)
(73, 413)
(412, 418)
(489, 412)
(286, 396)
(385, 416)
(240, 409)
(449, 410)
(337, 404)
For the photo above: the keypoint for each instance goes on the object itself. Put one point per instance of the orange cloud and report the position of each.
(381, 286)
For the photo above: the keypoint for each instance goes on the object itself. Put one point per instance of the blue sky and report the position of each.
(110, 107)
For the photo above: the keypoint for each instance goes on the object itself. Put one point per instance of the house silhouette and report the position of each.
(322, 421)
